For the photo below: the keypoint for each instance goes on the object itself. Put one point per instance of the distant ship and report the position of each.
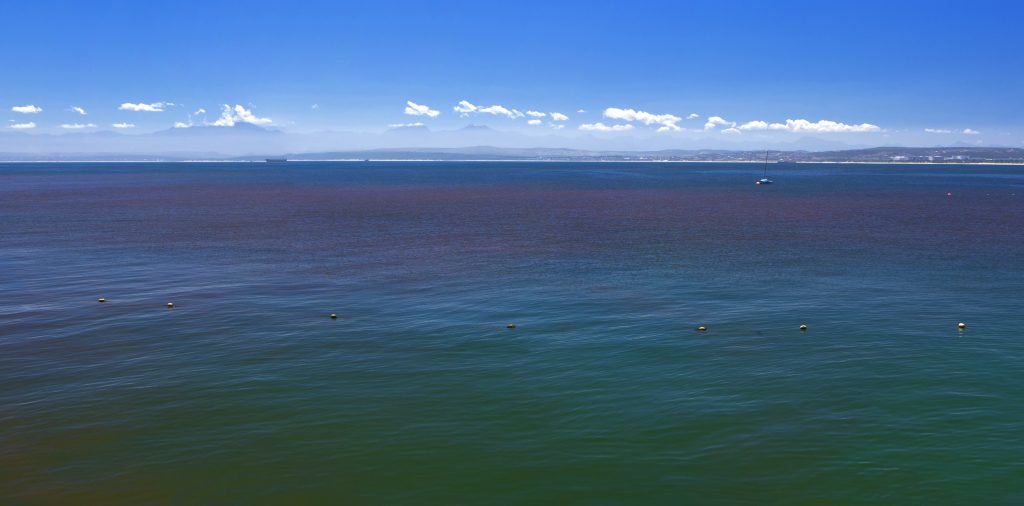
(276, 160)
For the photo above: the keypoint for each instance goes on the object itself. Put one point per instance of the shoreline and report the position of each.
(392, 160)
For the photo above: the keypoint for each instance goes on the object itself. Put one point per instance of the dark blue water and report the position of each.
(604, 393)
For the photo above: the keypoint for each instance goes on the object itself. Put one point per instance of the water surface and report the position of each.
(247, 392)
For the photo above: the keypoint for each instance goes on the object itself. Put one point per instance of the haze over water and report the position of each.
(604, 393)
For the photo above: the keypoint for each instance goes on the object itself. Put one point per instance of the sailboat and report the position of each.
(765, 180)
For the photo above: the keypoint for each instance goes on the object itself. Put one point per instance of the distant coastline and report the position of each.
(880, 155)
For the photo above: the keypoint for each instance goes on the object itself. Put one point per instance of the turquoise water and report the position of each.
(246, 392)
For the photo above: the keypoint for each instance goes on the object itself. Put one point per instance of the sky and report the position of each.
(712, 72)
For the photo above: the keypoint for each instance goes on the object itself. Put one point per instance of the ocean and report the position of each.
(247, 392)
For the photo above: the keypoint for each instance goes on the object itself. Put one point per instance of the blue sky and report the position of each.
(898, 67)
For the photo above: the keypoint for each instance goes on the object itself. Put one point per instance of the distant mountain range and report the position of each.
(245, 142)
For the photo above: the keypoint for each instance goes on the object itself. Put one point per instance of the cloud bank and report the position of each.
(802, 125)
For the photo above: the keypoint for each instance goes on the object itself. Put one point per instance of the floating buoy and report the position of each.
(101, 300)
(510, 326)
(170, 305)
(334, 316)
(803, 328)
(961, 325)
(701, 328)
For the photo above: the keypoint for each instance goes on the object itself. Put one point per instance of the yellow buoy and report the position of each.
(510, 326)
(961, 325)
(334, 316)
(170, 305)
(701, 328)
(101, 300)
(803, 327)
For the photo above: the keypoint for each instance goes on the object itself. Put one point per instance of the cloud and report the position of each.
(802, 125)
(464, 108)
(229, 116)
(27, 109)
(601, 127)
(556, 126)
(714, 121)
(534, 122)
(557, 116)
(754, 125)
(581, 111)
(123, 125)
(140, 107)
(499, 110)
(180, 124)
(79, 110)
(200, 111)
(938, 130)
(536, 114)
(23, 126)
(667, 121)
(968, 131)
(693, 115)
(405, 125)
(822, 126)
(77, 126)
(414, 109)
(315, 106)
(731, 130)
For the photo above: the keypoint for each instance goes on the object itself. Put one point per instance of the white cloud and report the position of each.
(79, 110)
(534, 122)
(581, 111)
(601, 127)
(693, 115)
(77, 126)
(968, 131)
(229, 116)
(822, 126)
(667, 121)
(180, 124)
(500, 110)
(938, 130)
(731, 130)
(23, 126)
(123, 125)
(802, 125)
(414, 109)
(27, 109)
(464, 108)
(536, 114)
(754, 125)
(140, 107)
(556, 126)
(557, 116)
(714, 121)
(405, 125)
(315, 106)
(200, 111)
